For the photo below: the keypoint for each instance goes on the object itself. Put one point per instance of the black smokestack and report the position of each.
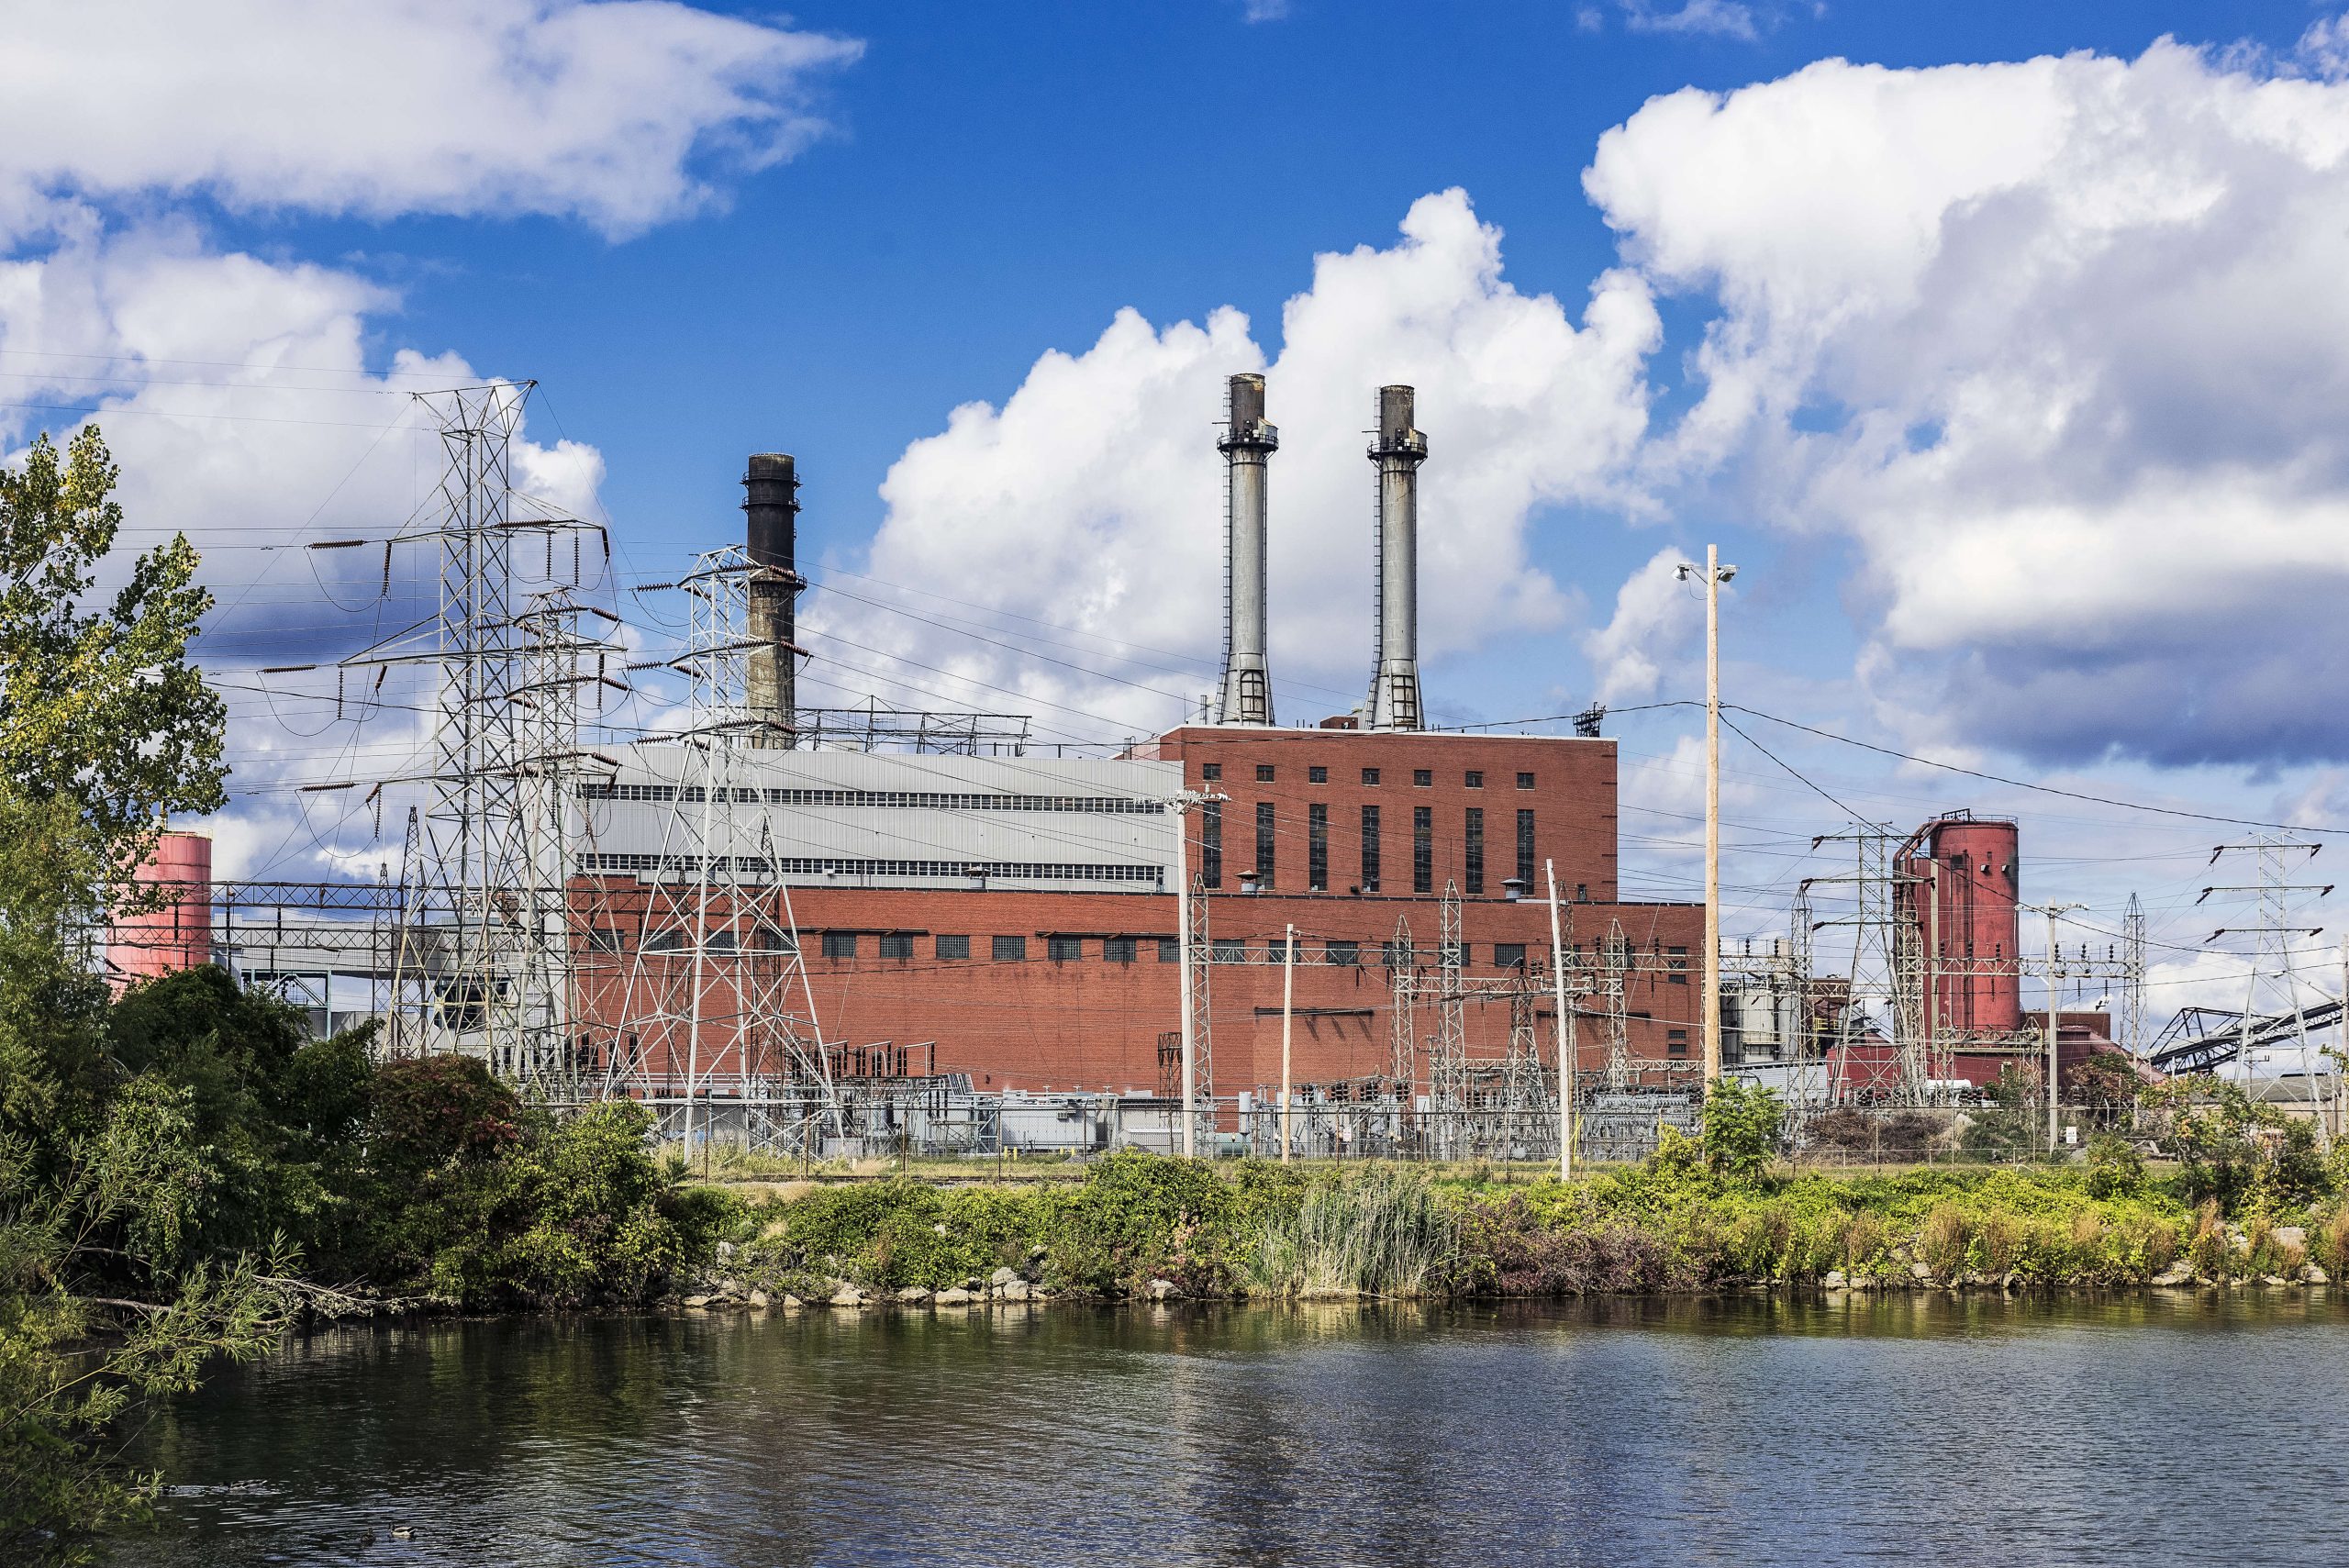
(771, 505)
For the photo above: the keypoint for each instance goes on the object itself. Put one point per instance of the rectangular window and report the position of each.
(1525, 849)
(1276, 951)
(1317, 849)
(1211, 843)
(1675, 1042)
(1582, 892)
(1525, 781)
(771, 939)
(839, 944)
(1508, 955)
(1317, 775)
(1676, 964)
(1343, 955)
(1170, 949)
(1423, 849)
(1010, 949)
(1473, 851)
(1423, 778)
(953, 946)
(897, 944)
(1263, 773)
(722, 942)
(1064, 950)
(1475, 779)
(1370, 775)
(1264, 843)
(1370, 849)
(664, 941)
(1228, 950)
(1117, 950)
(603, 938)
(1395, 954)
(1211, 770)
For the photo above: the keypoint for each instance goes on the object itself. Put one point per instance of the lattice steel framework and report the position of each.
(2132, 984)
(2274, 987)
(1887, 961)
(1614, 965)
(714, 1015)
(1202, 1015)
(486, 927)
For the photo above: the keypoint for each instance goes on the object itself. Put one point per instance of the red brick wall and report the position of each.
(1094, 1025)
(1091, 1023)
(1573, 800)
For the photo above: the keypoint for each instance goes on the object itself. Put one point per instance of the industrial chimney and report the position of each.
(1247, 694)
(1394, 684)
(771, 503)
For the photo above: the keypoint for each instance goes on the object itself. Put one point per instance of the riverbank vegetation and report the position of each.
(2247, 1201)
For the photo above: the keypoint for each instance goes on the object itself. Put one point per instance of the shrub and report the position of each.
(1505, 1250)
(2331, 1246)
(430, 1110)
(1864, 1242)
(1941, 1241)
(2210, 1252)
(1744, 1127)
(1998, 1245)
(2115, 1168)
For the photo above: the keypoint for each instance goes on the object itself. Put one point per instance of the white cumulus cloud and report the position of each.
(2061, 345)
(1654, 613)
(1092, 498)
(613, 111)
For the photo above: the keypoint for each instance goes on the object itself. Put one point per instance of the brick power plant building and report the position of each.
(1013, 920)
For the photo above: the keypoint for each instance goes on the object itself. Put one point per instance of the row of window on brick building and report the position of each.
(1372, 842)
(1421, 778)
(1064, 949)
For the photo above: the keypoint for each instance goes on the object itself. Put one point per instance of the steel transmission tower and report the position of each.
(715, 1008)
(489, 926)
(2274, 973)
(2132, 984)
(1887, 960)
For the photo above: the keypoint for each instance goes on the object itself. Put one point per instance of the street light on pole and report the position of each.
(1715, 575)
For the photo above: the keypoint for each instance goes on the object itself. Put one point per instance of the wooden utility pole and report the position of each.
(1565, 1034)
(1288, 1002)
(1712, 1002)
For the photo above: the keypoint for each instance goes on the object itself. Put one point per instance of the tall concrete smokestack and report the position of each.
(771, 503)
(1395, 684)
(1247, 696)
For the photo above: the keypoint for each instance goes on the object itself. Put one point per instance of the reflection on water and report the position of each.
(1911, 1429)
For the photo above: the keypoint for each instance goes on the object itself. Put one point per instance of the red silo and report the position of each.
(177, 933)
(1968, 872)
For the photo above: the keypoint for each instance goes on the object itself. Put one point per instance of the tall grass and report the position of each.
(1380, 1232)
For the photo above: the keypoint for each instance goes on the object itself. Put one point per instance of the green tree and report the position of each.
(105, 728)
(99, 705)
(1744, 1126)
(78, 1357)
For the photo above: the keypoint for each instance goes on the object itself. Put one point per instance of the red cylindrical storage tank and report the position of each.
(1977, 878)
(176, 935)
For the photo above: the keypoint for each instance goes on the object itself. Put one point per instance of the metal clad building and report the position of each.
(891, 820)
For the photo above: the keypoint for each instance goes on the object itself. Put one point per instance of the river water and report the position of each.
(1929, 1429)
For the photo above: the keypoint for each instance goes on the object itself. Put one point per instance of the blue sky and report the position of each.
(824, 231)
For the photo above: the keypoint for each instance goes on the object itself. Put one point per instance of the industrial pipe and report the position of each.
(771, 506)
(1247, 692)
(1394, 684)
